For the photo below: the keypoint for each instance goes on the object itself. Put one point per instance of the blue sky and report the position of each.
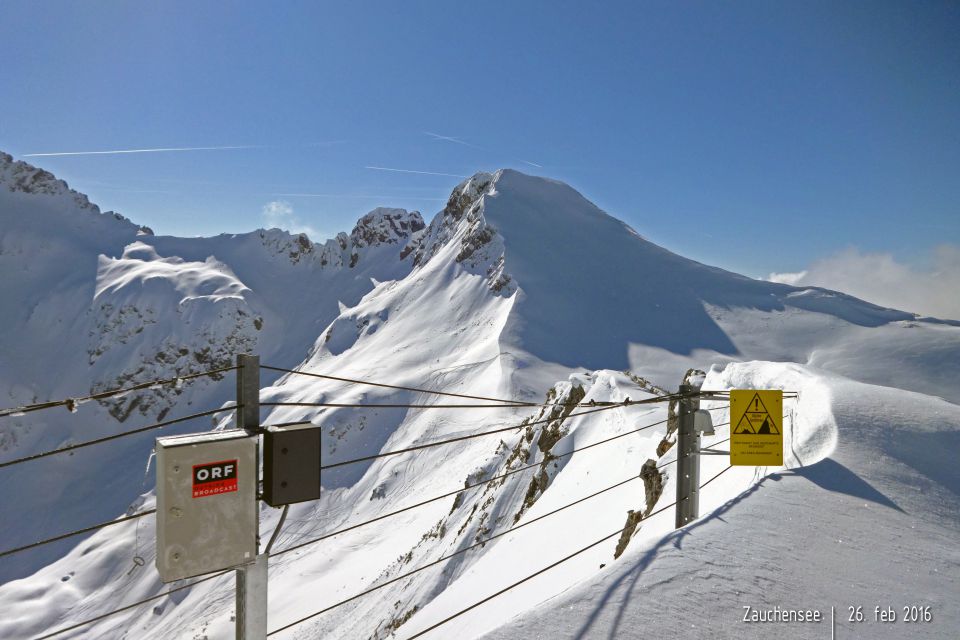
(758, 136)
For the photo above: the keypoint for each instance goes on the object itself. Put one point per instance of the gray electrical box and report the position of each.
(291, 464)
(206, 503)
(703, 422)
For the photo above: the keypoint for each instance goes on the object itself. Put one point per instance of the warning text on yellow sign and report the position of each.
(756, 427)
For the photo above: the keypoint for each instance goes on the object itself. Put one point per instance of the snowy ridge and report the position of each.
(461, 223)
(17, 176)
(519, 288)
(377, 230)
(109, 306)
(212, 320)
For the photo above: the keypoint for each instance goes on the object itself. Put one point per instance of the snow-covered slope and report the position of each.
(875, 523)
(518, 288)
(595, 294)
(93, 302)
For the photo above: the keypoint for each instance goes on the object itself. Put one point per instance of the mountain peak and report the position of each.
(461, 219)
(384, 225)
(480, 210)
(19, 177)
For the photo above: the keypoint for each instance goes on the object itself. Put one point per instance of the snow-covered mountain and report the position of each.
(91, 302)
(518, 288)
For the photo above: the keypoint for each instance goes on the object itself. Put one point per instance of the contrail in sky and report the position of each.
(455, 140)
(118, 151)
(427, 173)
(451, 139)
(351, 195)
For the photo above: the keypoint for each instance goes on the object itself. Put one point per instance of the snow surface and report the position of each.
(519, 288)
(872, 524)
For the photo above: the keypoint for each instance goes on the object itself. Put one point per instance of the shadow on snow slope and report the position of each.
(831, 475)
(828, 474)
(592, 285)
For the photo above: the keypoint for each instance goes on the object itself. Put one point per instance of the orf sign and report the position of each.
(206, 503)
(212, 478)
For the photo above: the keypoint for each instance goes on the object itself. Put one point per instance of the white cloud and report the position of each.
(788, 278)
(880, 279)
(279, 214)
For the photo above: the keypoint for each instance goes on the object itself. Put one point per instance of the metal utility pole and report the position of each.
(252, 600)
(248, 393)
(688, 458)
(251, 603)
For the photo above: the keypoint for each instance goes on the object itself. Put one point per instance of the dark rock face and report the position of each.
(653, 489)
(386, 226)
(20, 177)
(465, 203)
(380, 227)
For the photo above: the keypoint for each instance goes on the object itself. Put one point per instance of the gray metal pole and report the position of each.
(252, 600)
(688, 459)
(251, 604)
(248, 392)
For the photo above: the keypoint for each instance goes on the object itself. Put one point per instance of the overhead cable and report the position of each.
(77, 532)
(72, 402)
(122, 434)
(469, 486)
(438, 443)
(392, 386)
(547, 568)
(129, 606)
(455, 553)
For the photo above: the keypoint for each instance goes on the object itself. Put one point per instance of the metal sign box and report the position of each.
(206, 503)
(756, 427)
(291, 464)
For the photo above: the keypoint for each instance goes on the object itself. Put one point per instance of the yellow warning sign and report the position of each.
(756, 427)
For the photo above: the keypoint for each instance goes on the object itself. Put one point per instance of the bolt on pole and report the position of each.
(688, 458)
(251, 599)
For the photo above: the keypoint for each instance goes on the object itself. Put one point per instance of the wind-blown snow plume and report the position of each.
(881, 279)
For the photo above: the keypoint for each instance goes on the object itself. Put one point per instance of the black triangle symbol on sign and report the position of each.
(744, 425)
(767, 427)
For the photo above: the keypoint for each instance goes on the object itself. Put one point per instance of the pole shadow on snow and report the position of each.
(675, 539)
